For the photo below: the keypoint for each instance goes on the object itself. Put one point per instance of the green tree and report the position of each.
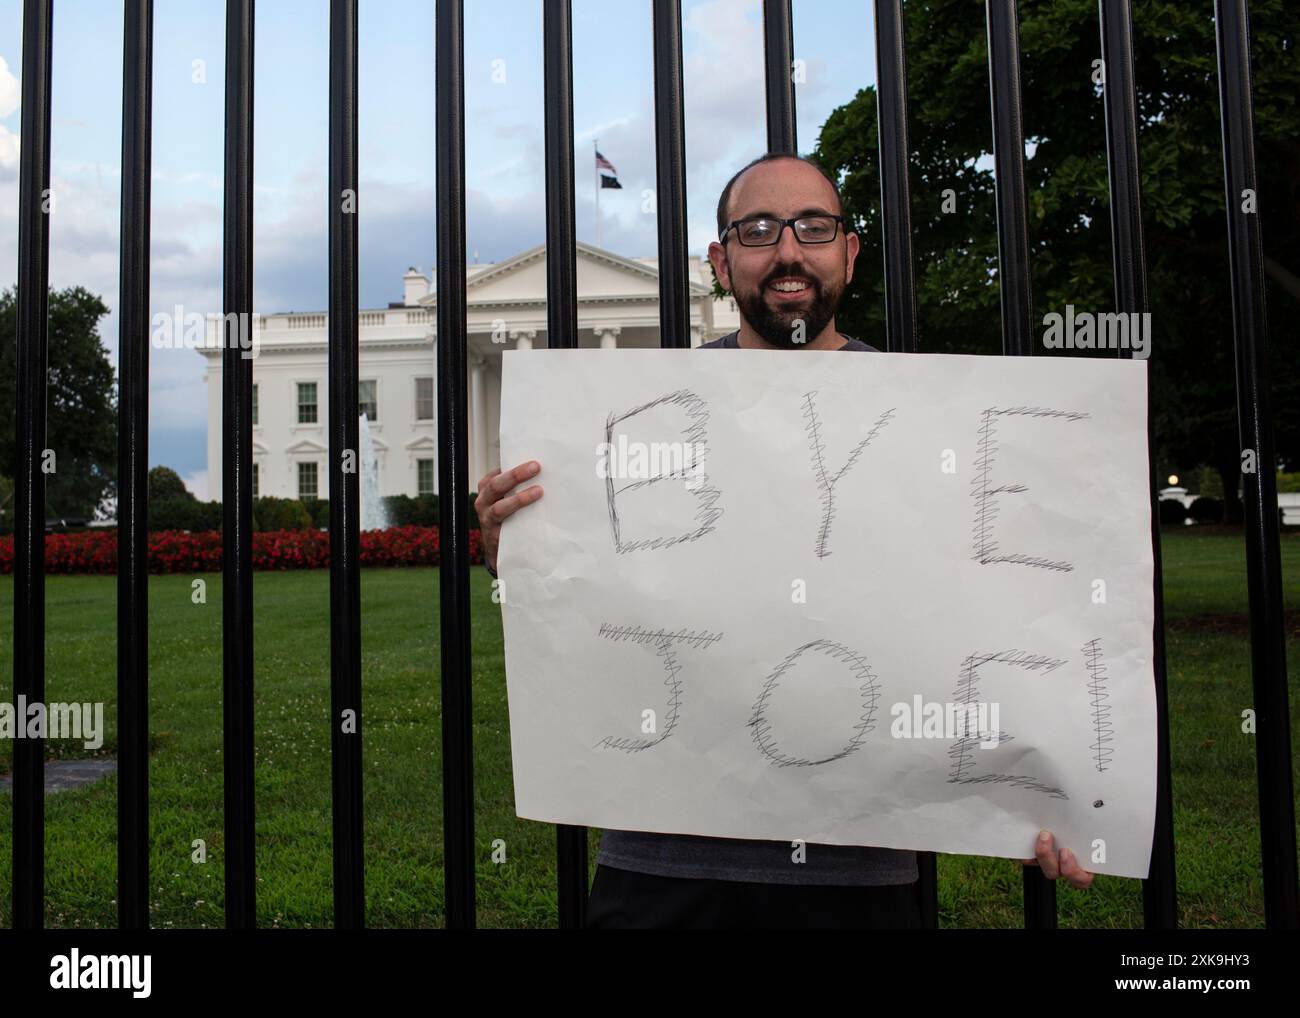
(6, 503)
(1209, 483)
(954, 228)
(165, 483)
(81, 402)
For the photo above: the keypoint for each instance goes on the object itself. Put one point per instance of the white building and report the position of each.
(618, 306)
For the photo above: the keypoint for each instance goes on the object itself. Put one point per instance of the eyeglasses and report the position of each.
(764, 231)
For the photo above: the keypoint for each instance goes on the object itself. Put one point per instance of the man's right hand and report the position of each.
(493, 505)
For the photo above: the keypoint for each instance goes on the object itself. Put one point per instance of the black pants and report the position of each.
(623, 899)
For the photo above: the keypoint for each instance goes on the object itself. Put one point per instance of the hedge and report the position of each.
(179, 551)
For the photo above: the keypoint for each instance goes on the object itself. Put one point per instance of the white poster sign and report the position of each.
(858, 599)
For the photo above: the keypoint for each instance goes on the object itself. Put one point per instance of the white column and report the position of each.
(477, 424)
(524, 338)
(609, 337)
(697, 335)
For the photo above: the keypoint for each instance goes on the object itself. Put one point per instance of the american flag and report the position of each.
(604, 164)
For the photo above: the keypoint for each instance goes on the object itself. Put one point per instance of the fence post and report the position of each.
(562, 333)
(778, 64)
(29, 488)
(133, 472)
(453, 458)
(670, 167)
(900, 283)
(1159, 890)
(237, 471)
(1013, 278)
(1259, 485)
(345, 485)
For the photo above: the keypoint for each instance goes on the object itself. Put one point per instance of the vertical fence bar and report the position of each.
(895, 187)
(29, 489)
(133, 473)
(453, 448)
(1159, 890)
(237, 466)
(778, 55)
(1255, 428)
(670, 166)
(1013, 278)
(344, 481)
(1119, 91)
(900, 284)
(562, 332)
(1009, 171)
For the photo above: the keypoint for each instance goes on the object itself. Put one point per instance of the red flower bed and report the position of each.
(178, 551)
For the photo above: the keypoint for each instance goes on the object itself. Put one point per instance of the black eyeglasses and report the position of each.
(764, 231)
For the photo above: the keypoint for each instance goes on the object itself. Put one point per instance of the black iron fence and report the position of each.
(1277, 814)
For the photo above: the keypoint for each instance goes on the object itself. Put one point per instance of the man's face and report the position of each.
(787, 285)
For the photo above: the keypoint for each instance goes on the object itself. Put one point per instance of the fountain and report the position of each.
(373, 514)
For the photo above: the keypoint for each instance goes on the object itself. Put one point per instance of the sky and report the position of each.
(504, 159)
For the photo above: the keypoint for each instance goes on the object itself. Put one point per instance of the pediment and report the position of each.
(600, 274)
(304, 446)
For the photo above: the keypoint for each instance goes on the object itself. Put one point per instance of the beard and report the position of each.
(777, 325)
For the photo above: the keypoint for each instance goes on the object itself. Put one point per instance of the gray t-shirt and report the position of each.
(731, 341)
(767, 862)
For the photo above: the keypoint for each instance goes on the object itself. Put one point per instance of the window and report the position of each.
(257, 467)
(424, 477)
(307, 403)
(307, 480)
(367, 403)
(254, 411)
(424, 399)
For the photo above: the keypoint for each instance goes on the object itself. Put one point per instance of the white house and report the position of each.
(618, 306)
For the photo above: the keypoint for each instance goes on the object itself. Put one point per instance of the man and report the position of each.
(784, 253)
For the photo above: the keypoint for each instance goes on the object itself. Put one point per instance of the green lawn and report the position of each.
(1216, 818)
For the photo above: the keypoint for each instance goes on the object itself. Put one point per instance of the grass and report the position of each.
(1216, 815)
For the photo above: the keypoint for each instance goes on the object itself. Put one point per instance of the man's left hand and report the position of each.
(1062, 864)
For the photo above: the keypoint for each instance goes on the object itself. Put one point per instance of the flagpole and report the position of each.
(594, 149)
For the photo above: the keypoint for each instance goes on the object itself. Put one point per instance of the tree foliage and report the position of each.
(81, 402)
(165, 484)
(956, 263)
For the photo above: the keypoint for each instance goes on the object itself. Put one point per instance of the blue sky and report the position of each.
(722, 71)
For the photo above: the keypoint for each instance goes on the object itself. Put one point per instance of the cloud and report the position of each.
(197, 483)
(8, 154)
(9, 90)
(505, 207)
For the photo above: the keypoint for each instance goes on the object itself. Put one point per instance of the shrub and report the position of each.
(319, 511)
(184, 514)
(207, 516)
(422, 511)
(1207, 510)
(401, 510)
(426, 510)
(272, 513)
(1209, 483)
(1172, 512)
